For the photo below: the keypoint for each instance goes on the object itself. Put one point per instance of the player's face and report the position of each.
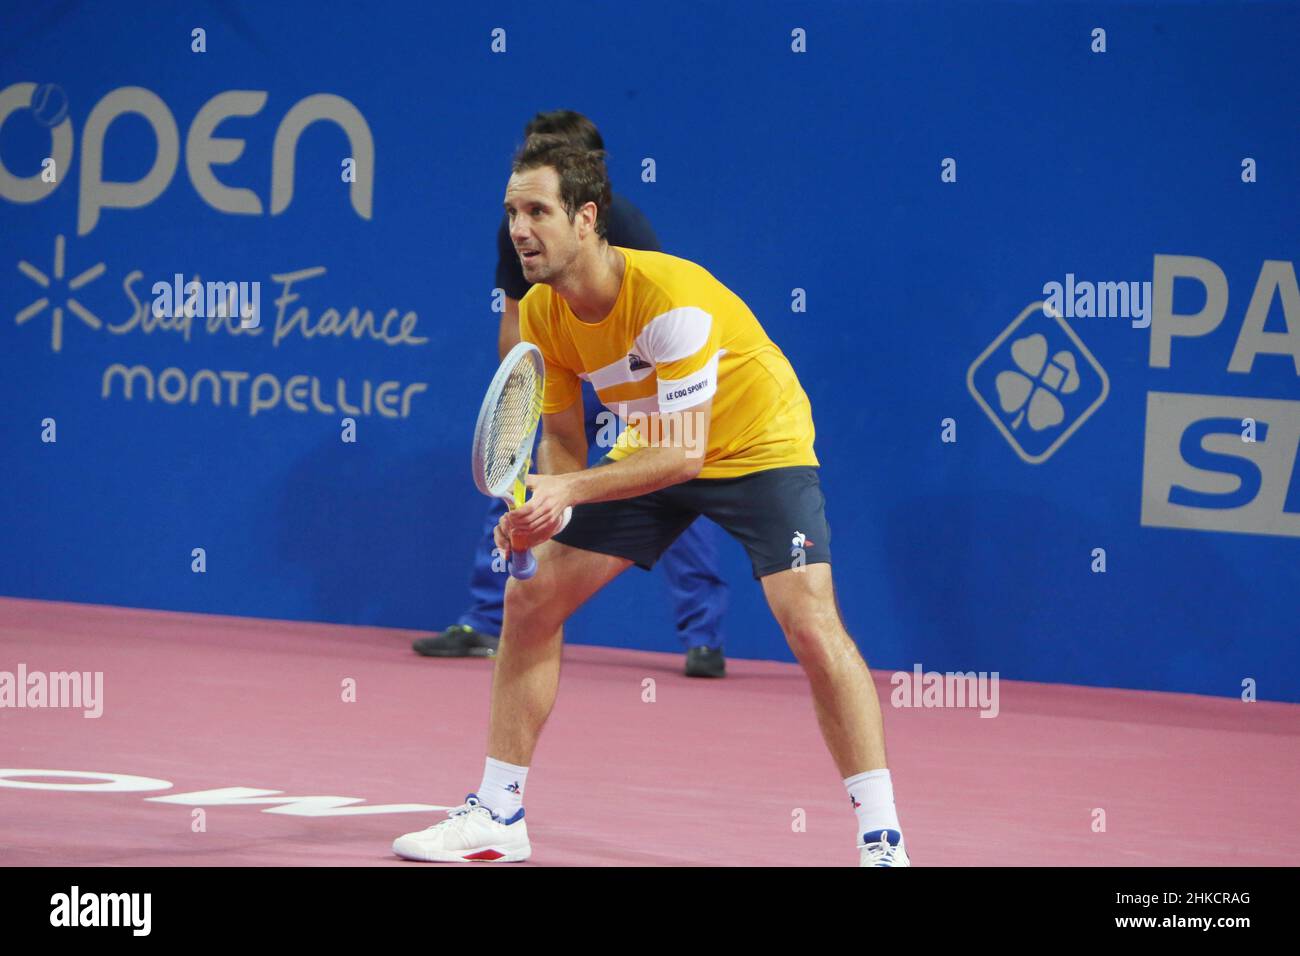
(544, 238)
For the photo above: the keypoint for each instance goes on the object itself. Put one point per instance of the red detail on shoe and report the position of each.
(484, 855)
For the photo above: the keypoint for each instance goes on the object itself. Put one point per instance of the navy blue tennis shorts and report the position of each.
(778, 516)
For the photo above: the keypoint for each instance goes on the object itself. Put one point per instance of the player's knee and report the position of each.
(527, 613)
(816, 638)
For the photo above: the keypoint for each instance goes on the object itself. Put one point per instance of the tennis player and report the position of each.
(724, 429)
(698, 594)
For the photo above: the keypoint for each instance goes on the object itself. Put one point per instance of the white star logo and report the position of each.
(75, 307)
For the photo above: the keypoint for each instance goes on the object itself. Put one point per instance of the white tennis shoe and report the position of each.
(882, 848)
(471, 834)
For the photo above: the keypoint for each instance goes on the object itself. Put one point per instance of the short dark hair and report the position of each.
(583, 178)
(572, 126)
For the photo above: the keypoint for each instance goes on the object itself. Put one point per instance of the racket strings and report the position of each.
(517, 412)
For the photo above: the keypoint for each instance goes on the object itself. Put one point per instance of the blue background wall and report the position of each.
(776, 170)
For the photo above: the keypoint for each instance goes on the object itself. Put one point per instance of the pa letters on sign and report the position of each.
(1215, 462)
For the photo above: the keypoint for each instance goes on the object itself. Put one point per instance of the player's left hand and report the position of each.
(542, 516)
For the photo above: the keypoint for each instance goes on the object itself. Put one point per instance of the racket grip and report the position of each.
(522, 564)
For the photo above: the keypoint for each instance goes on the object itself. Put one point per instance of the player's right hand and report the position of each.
(509, 529)
(501, 535)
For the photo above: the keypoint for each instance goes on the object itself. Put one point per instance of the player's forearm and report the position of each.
(643, 471)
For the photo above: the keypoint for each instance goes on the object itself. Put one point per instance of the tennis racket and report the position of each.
(503, 437)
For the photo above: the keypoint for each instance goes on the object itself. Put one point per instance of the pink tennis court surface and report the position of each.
(710, 772)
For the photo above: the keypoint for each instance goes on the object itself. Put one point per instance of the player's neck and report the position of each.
(594, 288)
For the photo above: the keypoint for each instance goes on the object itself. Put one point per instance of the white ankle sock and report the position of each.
(502, 789)
(873, 801)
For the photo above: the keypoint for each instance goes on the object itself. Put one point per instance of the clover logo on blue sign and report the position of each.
(1037, 382)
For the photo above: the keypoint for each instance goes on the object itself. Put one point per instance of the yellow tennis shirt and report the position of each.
(676, 337)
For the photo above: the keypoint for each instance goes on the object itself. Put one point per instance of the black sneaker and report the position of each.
(705, 662)
(457, 641)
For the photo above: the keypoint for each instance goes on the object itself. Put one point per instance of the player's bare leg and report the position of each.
(490, 825)
(844, 697)
(848, 711)
(527, 670)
